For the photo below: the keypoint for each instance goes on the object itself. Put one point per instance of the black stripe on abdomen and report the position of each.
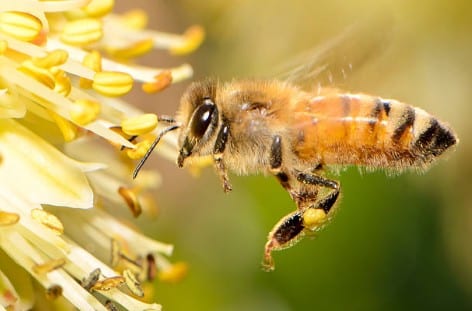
(407, 121)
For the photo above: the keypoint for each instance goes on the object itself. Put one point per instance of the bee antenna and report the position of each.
(155, 142)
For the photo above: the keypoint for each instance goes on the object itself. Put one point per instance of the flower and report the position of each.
(63, 67)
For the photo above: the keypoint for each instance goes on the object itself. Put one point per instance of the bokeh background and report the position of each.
(402, 243)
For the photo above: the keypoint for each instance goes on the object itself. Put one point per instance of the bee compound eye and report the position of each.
(202, 118)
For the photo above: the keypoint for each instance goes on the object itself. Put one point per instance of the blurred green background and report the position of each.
(401, 243)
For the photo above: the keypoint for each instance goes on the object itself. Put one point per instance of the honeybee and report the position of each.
(276, 128)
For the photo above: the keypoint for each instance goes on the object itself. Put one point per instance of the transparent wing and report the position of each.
(333, 62)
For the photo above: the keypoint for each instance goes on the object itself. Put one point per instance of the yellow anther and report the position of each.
(84, 111)
(112, 83)
(139, 125)
(3, 46)
(174, 273)
(48, 219)
(8, 219)
(140, 150)
(135, 19)
(193, 37)
(54, 58)
(82, 31)
(109, 283)
(313, 217)
(99, 8)
(162, 80)
(41, 74)
(137, 49)
(49, 266)
(22, 26)
(92, 60)
(68, 130)
(62, 83)
(131, 199)
(133, 283)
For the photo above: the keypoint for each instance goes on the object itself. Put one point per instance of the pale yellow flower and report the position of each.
(62, 190)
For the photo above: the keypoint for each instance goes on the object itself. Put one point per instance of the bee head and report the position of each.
(199, 118)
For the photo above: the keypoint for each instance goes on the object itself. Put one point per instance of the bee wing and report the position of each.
(334, 61)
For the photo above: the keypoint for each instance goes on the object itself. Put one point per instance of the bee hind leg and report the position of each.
(311, 216)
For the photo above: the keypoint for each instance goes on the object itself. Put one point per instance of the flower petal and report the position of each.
(42, 173)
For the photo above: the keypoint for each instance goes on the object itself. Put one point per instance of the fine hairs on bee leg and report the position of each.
(156, 141)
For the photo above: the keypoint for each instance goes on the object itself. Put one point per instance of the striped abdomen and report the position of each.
(365, 130)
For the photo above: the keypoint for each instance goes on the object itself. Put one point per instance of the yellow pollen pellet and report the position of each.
(8, 219)
(48, 219)
(174, 273)
(161, 81)
(84, 111)
(193, 37)
(314, 217)
(135, 19)
(98, 8)
(49, 266)
(82, 31)
(3, 46)
(139, 151)
(112, 83)
(139, 125)
(131, 199)
(54, 58)
(20, 25)
(108, 283)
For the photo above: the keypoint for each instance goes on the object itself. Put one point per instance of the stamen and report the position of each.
(131, 200)
(108, 283)
(112, 83)
(82, 32)
(161, 81)
(139, 125)
(98, 8)
(48, 220)
(49, 266)
(132, 283)
(8, 219)
(174, 273)
(20, 25)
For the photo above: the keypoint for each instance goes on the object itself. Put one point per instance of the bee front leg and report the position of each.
(218, 149)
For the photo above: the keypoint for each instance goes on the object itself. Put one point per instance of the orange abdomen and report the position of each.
(365, 130)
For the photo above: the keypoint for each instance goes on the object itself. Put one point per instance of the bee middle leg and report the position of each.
(276, 164)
